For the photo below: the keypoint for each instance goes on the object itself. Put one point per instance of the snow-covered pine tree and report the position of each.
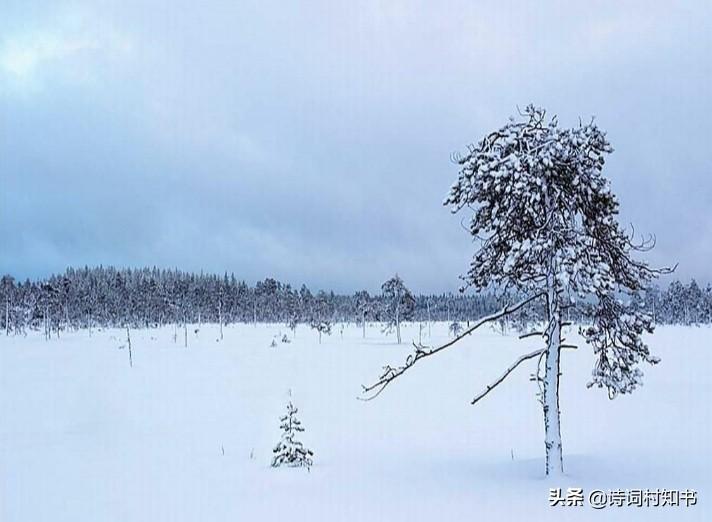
(7, 285)
(399, 303)
(364, 307)
(321, 313)
(289, 451)
(545, 220)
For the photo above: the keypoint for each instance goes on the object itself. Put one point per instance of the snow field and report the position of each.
(187, 433)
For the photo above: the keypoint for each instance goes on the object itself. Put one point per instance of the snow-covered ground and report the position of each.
(187, 433)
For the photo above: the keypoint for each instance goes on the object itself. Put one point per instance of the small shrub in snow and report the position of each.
(291, 452)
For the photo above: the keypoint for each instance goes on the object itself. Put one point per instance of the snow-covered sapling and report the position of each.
(421, 327)
(455, 328)
(289, 451)
(293, 323)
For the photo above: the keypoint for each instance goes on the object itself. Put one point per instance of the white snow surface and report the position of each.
(84, 437)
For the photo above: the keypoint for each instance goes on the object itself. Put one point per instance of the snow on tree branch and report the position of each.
(534, 189)
(616, 340)
(289, 451)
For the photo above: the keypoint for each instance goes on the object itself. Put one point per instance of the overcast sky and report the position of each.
(311, 141)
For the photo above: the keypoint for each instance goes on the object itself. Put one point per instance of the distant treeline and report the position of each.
(150, 297)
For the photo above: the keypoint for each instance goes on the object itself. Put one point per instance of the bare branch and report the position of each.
(531, 334)
(390, 373)
(509, 370)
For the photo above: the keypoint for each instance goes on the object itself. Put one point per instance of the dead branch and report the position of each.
(509, 370)
(531, 334)
(390, 373)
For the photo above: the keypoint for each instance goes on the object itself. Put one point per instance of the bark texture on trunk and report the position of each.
(550, 400)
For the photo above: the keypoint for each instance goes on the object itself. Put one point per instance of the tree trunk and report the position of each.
(552, 426)
(429, 333)
(48, 324)
(128, 341)
(655, 317)
(220, 319)
(363, 323)
(398, 335)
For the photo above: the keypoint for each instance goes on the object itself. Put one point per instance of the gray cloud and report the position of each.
(311, 141)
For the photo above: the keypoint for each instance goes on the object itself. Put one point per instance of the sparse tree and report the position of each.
(399, 304)
(321, 314)
(545, 220)
(364, 307)
(455, 328)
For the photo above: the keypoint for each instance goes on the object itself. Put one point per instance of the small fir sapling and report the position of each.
(289, 451)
